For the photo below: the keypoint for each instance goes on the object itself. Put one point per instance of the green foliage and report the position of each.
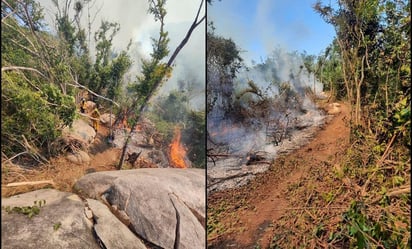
(36, 102)
(330, 73)
(154, 72)
(194, 136)
(214, 226)
(106, 75)
(104, 43)
(30, 211)
(366, 233)
(35, 15)
(56, 226)
(223, 62)
(160, 46)
(39, 113)
(223, 53)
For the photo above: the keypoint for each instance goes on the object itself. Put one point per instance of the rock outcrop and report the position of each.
(79, 157)
(333, 109)
(112, 232)
(164, 206)
(120, 209)
(60, 223)
(80, 130)
(107, 119)
(140, 144)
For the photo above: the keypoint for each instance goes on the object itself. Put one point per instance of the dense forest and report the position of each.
(368, 67)
(45, 74)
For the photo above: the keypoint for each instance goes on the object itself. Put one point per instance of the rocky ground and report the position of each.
(81, 200)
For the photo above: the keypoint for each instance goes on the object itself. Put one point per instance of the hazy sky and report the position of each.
(138, 25)
(259, 26)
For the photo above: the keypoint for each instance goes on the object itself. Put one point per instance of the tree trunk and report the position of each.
(157, 84)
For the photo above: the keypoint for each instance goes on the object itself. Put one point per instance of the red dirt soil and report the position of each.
(253, 209)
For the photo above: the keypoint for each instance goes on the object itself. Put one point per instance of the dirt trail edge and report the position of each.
(243, 217)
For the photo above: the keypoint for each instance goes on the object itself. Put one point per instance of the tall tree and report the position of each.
(356, 24)
(223, 62)
(154, 71)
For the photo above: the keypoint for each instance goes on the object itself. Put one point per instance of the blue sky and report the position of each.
(260, 26)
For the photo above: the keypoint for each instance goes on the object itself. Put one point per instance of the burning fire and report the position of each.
(125, 125)
(177, 151)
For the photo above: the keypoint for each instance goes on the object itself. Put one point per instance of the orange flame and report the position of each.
(177, 151)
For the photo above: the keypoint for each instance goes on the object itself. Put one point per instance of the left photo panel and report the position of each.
(103, 124)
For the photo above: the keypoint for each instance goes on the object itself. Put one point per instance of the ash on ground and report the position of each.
(230, 168)
(142, 150)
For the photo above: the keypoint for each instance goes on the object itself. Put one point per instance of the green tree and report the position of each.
(35, 104)
(223, 62)
(330, 71)
(356, 24)
(154, 70)
(373, 38)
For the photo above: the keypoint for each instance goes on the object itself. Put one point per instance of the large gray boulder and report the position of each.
(165, 206)
(107, 119)
(61, 222)
(112, 232)
(81, 131)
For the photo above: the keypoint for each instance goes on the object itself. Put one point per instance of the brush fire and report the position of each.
(266, 110)
(178, 152)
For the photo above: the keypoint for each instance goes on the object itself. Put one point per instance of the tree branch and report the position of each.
(21, 68)
(90, 91)
(188, 34)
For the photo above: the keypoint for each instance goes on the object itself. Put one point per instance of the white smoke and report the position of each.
(138, 25)
(285, 115)
(283, 66)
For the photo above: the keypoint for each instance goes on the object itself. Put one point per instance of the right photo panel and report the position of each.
(308, 124)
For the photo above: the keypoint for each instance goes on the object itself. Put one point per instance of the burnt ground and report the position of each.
(62, 172)
(251, 216)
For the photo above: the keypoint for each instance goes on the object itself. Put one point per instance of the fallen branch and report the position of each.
(11, 158)
(399, 191)
(223, 155)
(90, 91)
(395, 192)
(85, 115)
(222, 179)
(379, 163)
(22, 68)
(258, 162)
(16, 184)
(33, 151)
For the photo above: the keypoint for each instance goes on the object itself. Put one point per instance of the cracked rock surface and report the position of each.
(163, 207)
(151, 198)
(60, 223)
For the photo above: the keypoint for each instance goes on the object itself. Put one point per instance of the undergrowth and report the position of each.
(363, 201)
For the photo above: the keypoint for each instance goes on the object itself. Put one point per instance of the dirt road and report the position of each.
(244, 217)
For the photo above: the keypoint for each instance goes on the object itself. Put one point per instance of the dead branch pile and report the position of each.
(68, 144)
